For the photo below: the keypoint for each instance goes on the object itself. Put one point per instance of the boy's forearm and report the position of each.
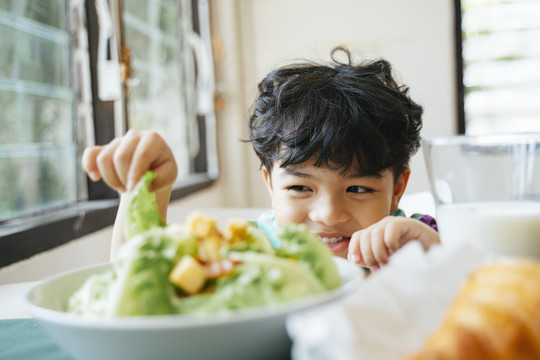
(118, 230)
(162, 199)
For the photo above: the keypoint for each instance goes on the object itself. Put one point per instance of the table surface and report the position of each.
(22, 337)
(11, 295)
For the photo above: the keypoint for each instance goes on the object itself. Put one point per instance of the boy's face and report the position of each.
(330, 204)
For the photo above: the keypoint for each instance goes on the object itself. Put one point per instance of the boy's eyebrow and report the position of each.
(364, 175)
(296, 171)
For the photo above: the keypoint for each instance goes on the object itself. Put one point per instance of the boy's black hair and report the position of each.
(343, 116)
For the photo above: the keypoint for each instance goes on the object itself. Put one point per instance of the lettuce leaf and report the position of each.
(144, 286)
(143, 268)
(142, 211)
(298, 242)
(138, 283)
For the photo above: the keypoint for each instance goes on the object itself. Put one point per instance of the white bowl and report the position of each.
(257, 333)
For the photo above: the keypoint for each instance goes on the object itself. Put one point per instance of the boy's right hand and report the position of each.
(123, 161)
(371, 247)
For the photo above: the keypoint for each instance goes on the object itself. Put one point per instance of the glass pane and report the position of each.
(501, 57)
(500, 15)
(47, 12)
(46, 120)
(7, 44)
(43, 60)
(504, 101)
(507, 73)
(38, 154)
(35, 178)
(5, 5)
(499, 45)
(8, 117)
(158, 50)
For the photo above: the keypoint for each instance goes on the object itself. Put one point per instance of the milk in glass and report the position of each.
(507, 228)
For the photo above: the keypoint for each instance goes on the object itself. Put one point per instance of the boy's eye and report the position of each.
(298, 188)
(360, 190)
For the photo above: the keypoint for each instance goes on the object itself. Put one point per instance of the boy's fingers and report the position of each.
(123, 161)
(166, 176)
(152, 153)
(365, 248)
(123, 155)
(143, 157)
(392, 237)
(89, 162)
(380, 253)
(106, 166)
(354, 254)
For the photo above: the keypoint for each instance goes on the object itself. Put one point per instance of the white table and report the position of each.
(11, 300)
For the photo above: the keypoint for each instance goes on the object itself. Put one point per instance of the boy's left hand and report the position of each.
(372, 247)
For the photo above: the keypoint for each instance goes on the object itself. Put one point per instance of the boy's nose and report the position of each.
(329, 211)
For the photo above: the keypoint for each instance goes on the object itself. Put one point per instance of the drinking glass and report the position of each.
(487, 191)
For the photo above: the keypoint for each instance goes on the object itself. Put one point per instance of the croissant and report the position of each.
(495, 315)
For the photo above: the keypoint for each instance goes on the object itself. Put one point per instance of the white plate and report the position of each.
(257, 333)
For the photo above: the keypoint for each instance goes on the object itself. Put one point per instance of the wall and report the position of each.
(416, 36)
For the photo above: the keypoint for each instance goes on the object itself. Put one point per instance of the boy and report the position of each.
(334, 143)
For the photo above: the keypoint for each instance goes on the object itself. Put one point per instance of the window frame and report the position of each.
(24, 237)
(460, 87)
(512, 119)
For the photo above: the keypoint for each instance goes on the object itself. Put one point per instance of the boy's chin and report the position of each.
(340, 249)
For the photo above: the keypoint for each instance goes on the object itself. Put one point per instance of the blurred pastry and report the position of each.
(495, 315)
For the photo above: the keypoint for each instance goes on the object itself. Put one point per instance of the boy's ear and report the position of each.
(268, 182)
(399, 188)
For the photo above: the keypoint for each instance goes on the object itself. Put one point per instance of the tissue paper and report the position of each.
(393, 310)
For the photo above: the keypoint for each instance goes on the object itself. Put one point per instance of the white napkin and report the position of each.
(392, 312)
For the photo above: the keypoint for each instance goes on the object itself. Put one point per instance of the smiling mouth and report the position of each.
(332, 240)
(336, 244)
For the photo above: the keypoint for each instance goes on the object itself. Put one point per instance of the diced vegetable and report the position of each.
(235, 230)
(201, 225)
(188, 275)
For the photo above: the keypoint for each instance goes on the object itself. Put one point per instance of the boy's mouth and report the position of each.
(336, 243)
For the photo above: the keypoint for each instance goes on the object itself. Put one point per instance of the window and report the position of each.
(501, 65)
(38, 153)
(53, 106)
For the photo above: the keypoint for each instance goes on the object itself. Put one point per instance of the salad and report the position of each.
(198, 268)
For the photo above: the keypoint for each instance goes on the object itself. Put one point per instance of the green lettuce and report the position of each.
(298, 242)
(142, 211)
(138, 283)
(142, 269)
